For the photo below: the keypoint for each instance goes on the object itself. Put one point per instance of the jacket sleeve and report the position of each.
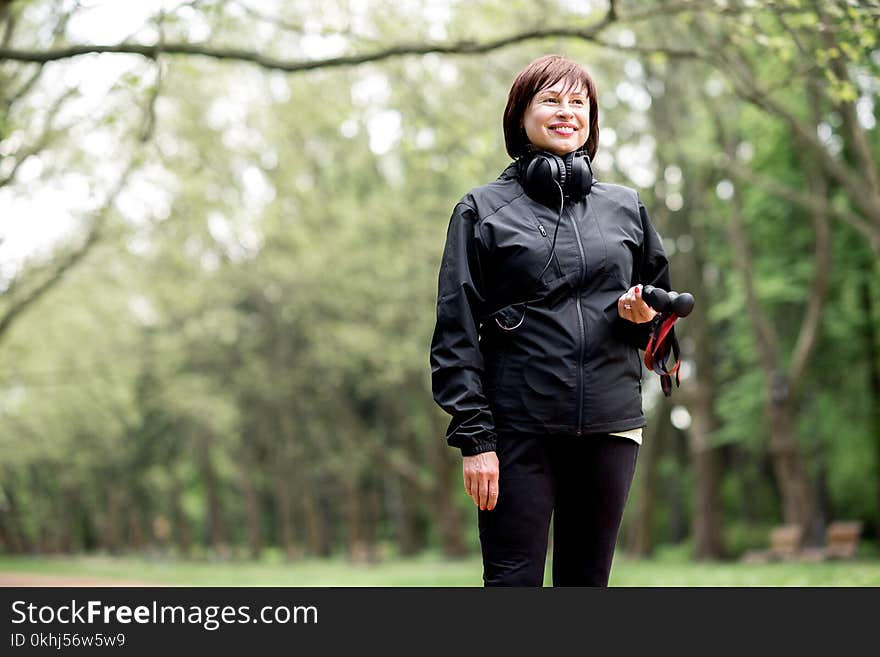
(651, 269)
(456, 360)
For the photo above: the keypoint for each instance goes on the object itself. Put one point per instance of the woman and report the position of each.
(535, 350)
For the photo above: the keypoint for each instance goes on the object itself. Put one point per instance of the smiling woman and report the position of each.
(538, 364)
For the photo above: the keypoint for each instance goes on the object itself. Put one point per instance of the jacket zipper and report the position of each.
(583, 335)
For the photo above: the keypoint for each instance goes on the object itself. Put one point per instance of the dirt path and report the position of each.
(27, 579)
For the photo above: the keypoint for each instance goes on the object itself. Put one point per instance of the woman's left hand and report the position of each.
(632, 307)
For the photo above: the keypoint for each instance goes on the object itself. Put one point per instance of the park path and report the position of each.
(29, 579)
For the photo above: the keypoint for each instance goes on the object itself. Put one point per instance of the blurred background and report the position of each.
(221, 224)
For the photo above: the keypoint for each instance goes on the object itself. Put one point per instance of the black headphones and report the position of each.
(543, 174)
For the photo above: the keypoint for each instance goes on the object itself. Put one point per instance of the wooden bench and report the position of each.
(842, 539)
(785, 542)
(841, 542)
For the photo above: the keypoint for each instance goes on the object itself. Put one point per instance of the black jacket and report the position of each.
(572, 366)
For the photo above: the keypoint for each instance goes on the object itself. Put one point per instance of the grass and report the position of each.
(670, 568)
(650, 573)
(421, 571)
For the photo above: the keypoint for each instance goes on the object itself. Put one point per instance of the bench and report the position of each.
(841, 542)
(785, 542)
(842, 539)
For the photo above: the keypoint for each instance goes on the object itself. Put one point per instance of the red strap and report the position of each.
(657, 352)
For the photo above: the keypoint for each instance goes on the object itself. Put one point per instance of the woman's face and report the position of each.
(558, 122)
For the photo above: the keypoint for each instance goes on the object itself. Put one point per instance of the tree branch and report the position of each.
(808, 335)
(765, 336)
(42, 141)
(57, 34)
(806, 199)
(818, 294)
(150, 110)
(24, 89)
(295, 65)
(18, 306)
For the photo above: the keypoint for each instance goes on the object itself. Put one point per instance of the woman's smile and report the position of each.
(563, 129)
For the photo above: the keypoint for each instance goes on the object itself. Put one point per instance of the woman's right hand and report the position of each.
(481, 479)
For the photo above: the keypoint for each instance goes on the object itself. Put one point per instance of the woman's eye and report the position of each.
(549, 100)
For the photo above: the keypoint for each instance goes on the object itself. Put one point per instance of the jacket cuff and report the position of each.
(475, 446)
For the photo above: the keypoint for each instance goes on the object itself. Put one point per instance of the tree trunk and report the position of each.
(283, 516)
(702, 393)
(642, 530)
(372, 521)
(218, 535)
(284, 475)
(317, 543)
(708, 532)
(179, 521)
(669, 113)
(136, 536)
(449, 517)
(789, 467)
(403, 487)
(356, 547)
(9, 539)
(251, 508)
(67, 532)
(706, 461)
(110, 530)
(679, 526)
(798, 503)
(400, 497)
(11, 534)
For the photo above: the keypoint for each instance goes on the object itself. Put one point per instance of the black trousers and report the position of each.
(582, 482)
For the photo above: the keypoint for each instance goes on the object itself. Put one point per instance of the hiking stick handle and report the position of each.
(680, 304)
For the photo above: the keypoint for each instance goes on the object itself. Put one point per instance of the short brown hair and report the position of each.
(542, 73)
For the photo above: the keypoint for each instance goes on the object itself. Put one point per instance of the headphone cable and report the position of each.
(549, 260)
(556, 229)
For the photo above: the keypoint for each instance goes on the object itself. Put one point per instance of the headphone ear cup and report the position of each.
(581, 180)
(541, 175)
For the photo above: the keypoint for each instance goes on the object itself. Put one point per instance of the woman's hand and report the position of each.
(481, 479)
(631, 306)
